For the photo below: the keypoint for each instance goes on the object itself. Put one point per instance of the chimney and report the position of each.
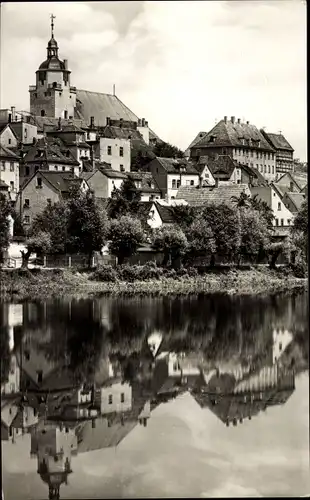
(225, 119)
(66, 63)
(143, 122)
(108, 120)
(92, 122)
(239, 121)
(247, 122)
(232, 119)
(13, 117)
(146, 123)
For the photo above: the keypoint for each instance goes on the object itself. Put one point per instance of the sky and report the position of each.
(185, 451)
(182, 65)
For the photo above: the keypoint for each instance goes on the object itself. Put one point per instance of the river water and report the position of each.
(206, 396)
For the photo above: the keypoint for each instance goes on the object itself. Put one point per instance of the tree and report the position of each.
(299, 231)
(54, 220)
(277, 248)
(247, 201)
(125, 235)
(166, 150)
(140, 157)
(172, 242)
(5, 212)
(255, 236)
(125, 200)
(200, 237)
(223, 221)
(87, 225)
(37, 243)
(184, 215)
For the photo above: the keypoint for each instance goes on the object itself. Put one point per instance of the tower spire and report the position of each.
(52, 24)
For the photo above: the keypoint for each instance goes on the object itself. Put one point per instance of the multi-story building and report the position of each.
(282, 215)
(244, 142)
(9, 171)
(169, 174)
(284, 152)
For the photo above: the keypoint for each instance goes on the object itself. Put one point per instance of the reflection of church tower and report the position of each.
(52, 95)
(52, 447)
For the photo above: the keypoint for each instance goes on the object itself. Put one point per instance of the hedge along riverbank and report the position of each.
(17, 284)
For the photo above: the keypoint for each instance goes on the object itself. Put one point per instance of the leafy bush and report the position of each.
(138, 273)
(105, 272)
(187, 272)
(299, 269)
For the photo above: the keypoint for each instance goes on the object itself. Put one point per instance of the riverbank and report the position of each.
(36, 284)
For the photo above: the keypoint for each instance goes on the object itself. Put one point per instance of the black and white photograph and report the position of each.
(154, 249)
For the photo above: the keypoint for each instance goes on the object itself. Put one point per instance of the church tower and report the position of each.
(52, 96)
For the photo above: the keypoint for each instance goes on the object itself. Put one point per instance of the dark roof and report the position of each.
(296, 199)
(197, 196)
(3, 185)
(7, 153)
(261, 181)
(11, 125)
(59, 180)
(277, 141)
(113, 174)
(222, 166)
(87, 166)
(147, 181)
(50, 149)
(166, 213)
(102, 106)
(231, 134)
(50, 123)
(198, 138)
(114, 132)
(172, 165)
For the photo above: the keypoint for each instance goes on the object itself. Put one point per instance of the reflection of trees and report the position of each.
(5, 353)
(217, 327)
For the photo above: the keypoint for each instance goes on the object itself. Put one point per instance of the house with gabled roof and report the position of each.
(171, 173)
(8, 138)
(103, 181)
(284, 152)
(49, 154)
(9, 410)
(198, 138)
(244, 142)
(146, 185)
(271, 195)
(288, 182)
(45, 187)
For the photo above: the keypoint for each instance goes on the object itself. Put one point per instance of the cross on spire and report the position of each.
(52, 24)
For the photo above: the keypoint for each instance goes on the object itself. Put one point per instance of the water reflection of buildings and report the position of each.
(42, 396)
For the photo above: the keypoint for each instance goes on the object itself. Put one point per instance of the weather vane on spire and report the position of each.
(52, 23)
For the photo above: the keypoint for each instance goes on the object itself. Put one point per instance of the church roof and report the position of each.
(52, 63)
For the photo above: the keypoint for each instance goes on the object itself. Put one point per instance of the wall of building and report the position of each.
(145, 132)
(115, 404)
(12, 385)
(184, 179)
(9, 173)
(264, 162)
(37, 197)
(39, 101)
(64, 101)
(283, 216)
(8, 139)
(115, 159)
(154, 219)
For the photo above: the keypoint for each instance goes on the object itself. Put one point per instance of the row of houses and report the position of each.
(92, 139)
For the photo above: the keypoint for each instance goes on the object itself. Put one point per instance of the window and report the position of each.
(174, 183)
(257, 166)
(27, 219)
(122, 397)
(63, 169)
(109, 150)
(122, 168)
(39, 182)
(121, 151)
(11, 167)
(39, 376)
(277, 222)
(42, 112)
(192, 183)
(279, 206)
(49, 201)
(27, 171)
(268, 169)
(25, 133)
(3, 166)
(65, 113)
(12, 185)
(27, 202)
(110, 399)
(10, 141)
(56, 168)
(282, 222)
(67, 430)
(288, 222)
(178, 183)
(273, 169)
(265, 169)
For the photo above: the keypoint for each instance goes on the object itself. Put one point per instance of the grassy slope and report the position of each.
(52, 283)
